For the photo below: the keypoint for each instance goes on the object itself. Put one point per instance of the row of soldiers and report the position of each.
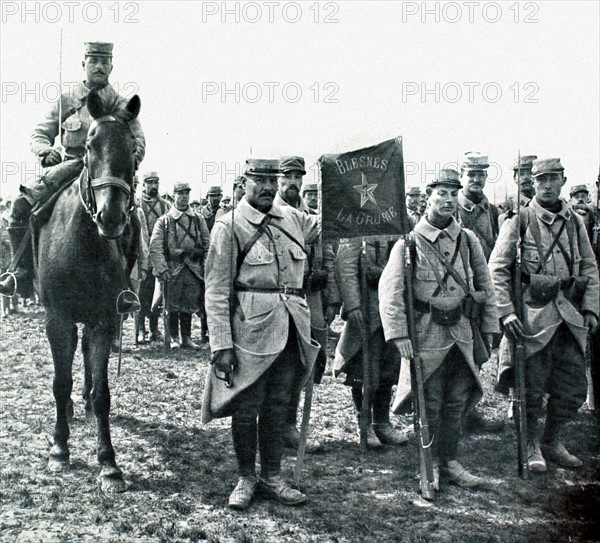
(272, 288)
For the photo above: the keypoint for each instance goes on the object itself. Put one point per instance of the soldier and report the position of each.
(226, 204)
(153, 207)
(413, 202)
(477, 214)
(74, 124)
(212, 210)
(560, 306)
(259, 327)
(310, 194)
(522, 171)
(422, 204)
(580, 202)
(318, 276)
(195, 205)
(238, 190)
(348, 357)
(178, 246)
(451, 285)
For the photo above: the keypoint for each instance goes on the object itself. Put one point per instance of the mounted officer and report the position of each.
(259, 325)
(560, 307)
(74, 124)
(178, 247)
(153, 207)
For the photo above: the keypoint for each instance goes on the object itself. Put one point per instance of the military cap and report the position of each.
(449, 177)
(194, 203)
(475, 162)
(258, 167)
(181, 186)
(542, 166)
(98, 49)
(578, 188)
(414, 191)
(150, 175)
(310, 187)
(238, 181)
(525, 164)
(292, 164)
(215, 189)
(226, 199)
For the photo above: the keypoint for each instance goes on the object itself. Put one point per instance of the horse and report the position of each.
(84, 251)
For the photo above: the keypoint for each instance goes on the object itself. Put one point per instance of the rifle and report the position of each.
(166, 314)
(418, 391)
(520, 414)
(365, 407)
(60, 147)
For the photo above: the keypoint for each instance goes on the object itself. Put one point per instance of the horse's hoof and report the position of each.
(111, 480)
(57, 464)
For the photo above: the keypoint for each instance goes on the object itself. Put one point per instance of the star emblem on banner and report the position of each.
(366, 189)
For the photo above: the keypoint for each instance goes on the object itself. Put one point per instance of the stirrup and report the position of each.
(128, 302)
(6, 275)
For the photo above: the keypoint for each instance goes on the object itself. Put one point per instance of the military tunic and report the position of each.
(256, 325)
(481, 219)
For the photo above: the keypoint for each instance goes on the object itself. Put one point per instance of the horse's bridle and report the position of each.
(88, 184)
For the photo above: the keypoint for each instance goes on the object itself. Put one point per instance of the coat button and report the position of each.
(446, 253)
(442, 235)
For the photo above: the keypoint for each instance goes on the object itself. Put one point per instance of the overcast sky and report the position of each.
(221, 80)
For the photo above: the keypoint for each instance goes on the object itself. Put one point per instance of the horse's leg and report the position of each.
(87, 374)
(100, 339)
(62, 335)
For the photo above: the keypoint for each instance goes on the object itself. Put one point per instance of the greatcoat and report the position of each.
(435, 341)
(255, 324)
(542, 320)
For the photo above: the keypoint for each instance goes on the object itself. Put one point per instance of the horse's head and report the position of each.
(110, 164)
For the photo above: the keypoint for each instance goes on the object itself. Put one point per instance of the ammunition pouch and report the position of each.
(315, 281)
(575, 288)
(446, 311)
(373, 275)
(543, 288)
(472, 305)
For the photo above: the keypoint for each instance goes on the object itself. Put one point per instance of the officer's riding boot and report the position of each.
(155, 333)
(372, 440)
(22, 279)
(186, 331)
(383, 428)
(552, 448)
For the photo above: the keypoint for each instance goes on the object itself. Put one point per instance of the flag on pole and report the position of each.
(363, 192)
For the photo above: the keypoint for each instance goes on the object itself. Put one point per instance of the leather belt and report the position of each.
(281, 290)
(562, 283)
(422, 307)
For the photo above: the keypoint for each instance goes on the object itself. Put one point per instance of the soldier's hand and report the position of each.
(165, 276)
(330, 313)
(50, 157)
(405, 347)
(357, 319)
(590, 320)
(513, 326)
(143, 275)
(224, 361)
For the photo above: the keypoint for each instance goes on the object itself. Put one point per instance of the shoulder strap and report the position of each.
(260, 230)
(447, 263)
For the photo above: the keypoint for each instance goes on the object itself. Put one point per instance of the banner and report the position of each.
(363, 192)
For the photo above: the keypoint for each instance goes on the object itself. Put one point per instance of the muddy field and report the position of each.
(180, 473)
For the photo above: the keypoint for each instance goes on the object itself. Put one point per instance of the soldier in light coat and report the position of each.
(259, 328)
(153, 207)
(560, 307)
(382, 356)
(445, 334)
(74, 125)
(178, 247)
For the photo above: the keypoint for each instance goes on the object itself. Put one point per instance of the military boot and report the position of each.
(372, 439)
(21, 280)
(155, 333)
(552, 448)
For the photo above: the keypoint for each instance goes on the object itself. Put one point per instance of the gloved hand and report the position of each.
(224, 362)
(513, 326)
(50, 157)
(357, 319)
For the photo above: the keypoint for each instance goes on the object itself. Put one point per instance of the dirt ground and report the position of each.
(180, 473)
